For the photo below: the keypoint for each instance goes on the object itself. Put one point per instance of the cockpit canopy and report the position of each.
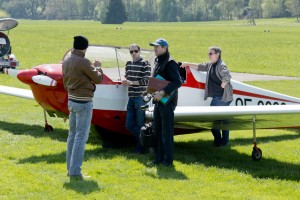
(5, 25)
(4, 45)
(113, 59)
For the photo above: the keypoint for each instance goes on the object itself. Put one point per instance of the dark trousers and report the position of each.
(164, 132)
(135, 118)
(220, 140)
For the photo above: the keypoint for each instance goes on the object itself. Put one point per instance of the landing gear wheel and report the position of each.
(48, 128)
(256, 154)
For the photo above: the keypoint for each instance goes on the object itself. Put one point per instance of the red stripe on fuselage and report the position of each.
(239, 92)
(193, 83)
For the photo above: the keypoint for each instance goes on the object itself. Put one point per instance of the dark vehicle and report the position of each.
(7, 59)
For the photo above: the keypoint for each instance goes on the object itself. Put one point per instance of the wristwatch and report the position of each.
(162, 93)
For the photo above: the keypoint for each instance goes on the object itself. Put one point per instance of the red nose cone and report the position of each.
(25, 76)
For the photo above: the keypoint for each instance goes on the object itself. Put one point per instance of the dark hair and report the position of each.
(135, 45)
(80, 42)
(217, 50)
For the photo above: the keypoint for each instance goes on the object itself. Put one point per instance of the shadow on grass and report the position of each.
(265, 139)
(37, 131)
(190, 152)
(202, 152)
(83, 186)
(198, 152)
(170, 173)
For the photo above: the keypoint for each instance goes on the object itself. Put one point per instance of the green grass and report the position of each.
(32, 163)
(245, 49)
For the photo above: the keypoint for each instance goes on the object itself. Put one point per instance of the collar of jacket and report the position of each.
(219, 61)
(78, 53)
(138, 60)
(164, 57)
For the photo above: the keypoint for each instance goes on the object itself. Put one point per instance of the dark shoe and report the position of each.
(216, 144)
(139, 150)
(79, 177)
(224, 142)
(166, 164)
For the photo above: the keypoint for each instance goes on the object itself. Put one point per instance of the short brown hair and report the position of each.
(135, 45)
(216, 49)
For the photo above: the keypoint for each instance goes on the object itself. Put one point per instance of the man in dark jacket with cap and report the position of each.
(166, 68)
(80, 76)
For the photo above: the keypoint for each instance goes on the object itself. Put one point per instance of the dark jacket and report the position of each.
(167, 68)
(80, 77)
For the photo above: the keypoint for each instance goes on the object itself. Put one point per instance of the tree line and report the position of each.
(109, 11)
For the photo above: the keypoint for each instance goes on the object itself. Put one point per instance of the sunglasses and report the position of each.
(210, 53)
(135, 51)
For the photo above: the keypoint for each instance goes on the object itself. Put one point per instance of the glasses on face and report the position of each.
(135, 51)
(211, 53)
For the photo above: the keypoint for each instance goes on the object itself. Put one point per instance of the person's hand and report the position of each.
(157, 96)
(184, 64)
(223, 84)
(97, 63)
(99, 70)
(126, 82)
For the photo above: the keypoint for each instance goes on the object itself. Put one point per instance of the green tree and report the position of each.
(255, 6)
(60, 9)
(83, 8)
(16, 8)
(116, 13)
(168, 11)
(293, 7)
(149, 11)
(273, 8)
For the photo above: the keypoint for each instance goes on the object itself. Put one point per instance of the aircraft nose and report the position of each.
(25, 76)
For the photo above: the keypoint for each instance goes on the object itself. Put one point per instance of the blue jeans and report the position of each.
(218, 139)
(79, 122)
(135, 118)
(164, 132)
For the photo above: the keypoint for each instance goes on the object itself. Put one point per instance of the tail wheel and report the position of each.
(256, 154)
(48, 128)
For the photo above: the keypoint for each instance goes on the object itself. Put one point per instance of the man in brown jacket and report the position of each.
(80, 76)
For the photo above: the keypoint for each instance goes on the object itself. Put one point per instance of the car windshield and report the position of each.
(113, 59)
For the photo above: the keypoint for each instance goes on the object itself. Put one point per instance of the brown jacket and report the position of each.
(80, 77)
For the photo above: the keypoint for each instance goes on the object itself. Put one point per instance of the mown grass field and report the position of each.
(32, 163)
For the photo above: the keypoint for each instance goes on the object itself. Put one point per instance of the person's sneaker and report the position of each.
(153, 163)
(151, 151)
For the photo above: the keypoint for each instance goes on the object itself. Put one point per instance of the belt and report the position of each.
(76, 101)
